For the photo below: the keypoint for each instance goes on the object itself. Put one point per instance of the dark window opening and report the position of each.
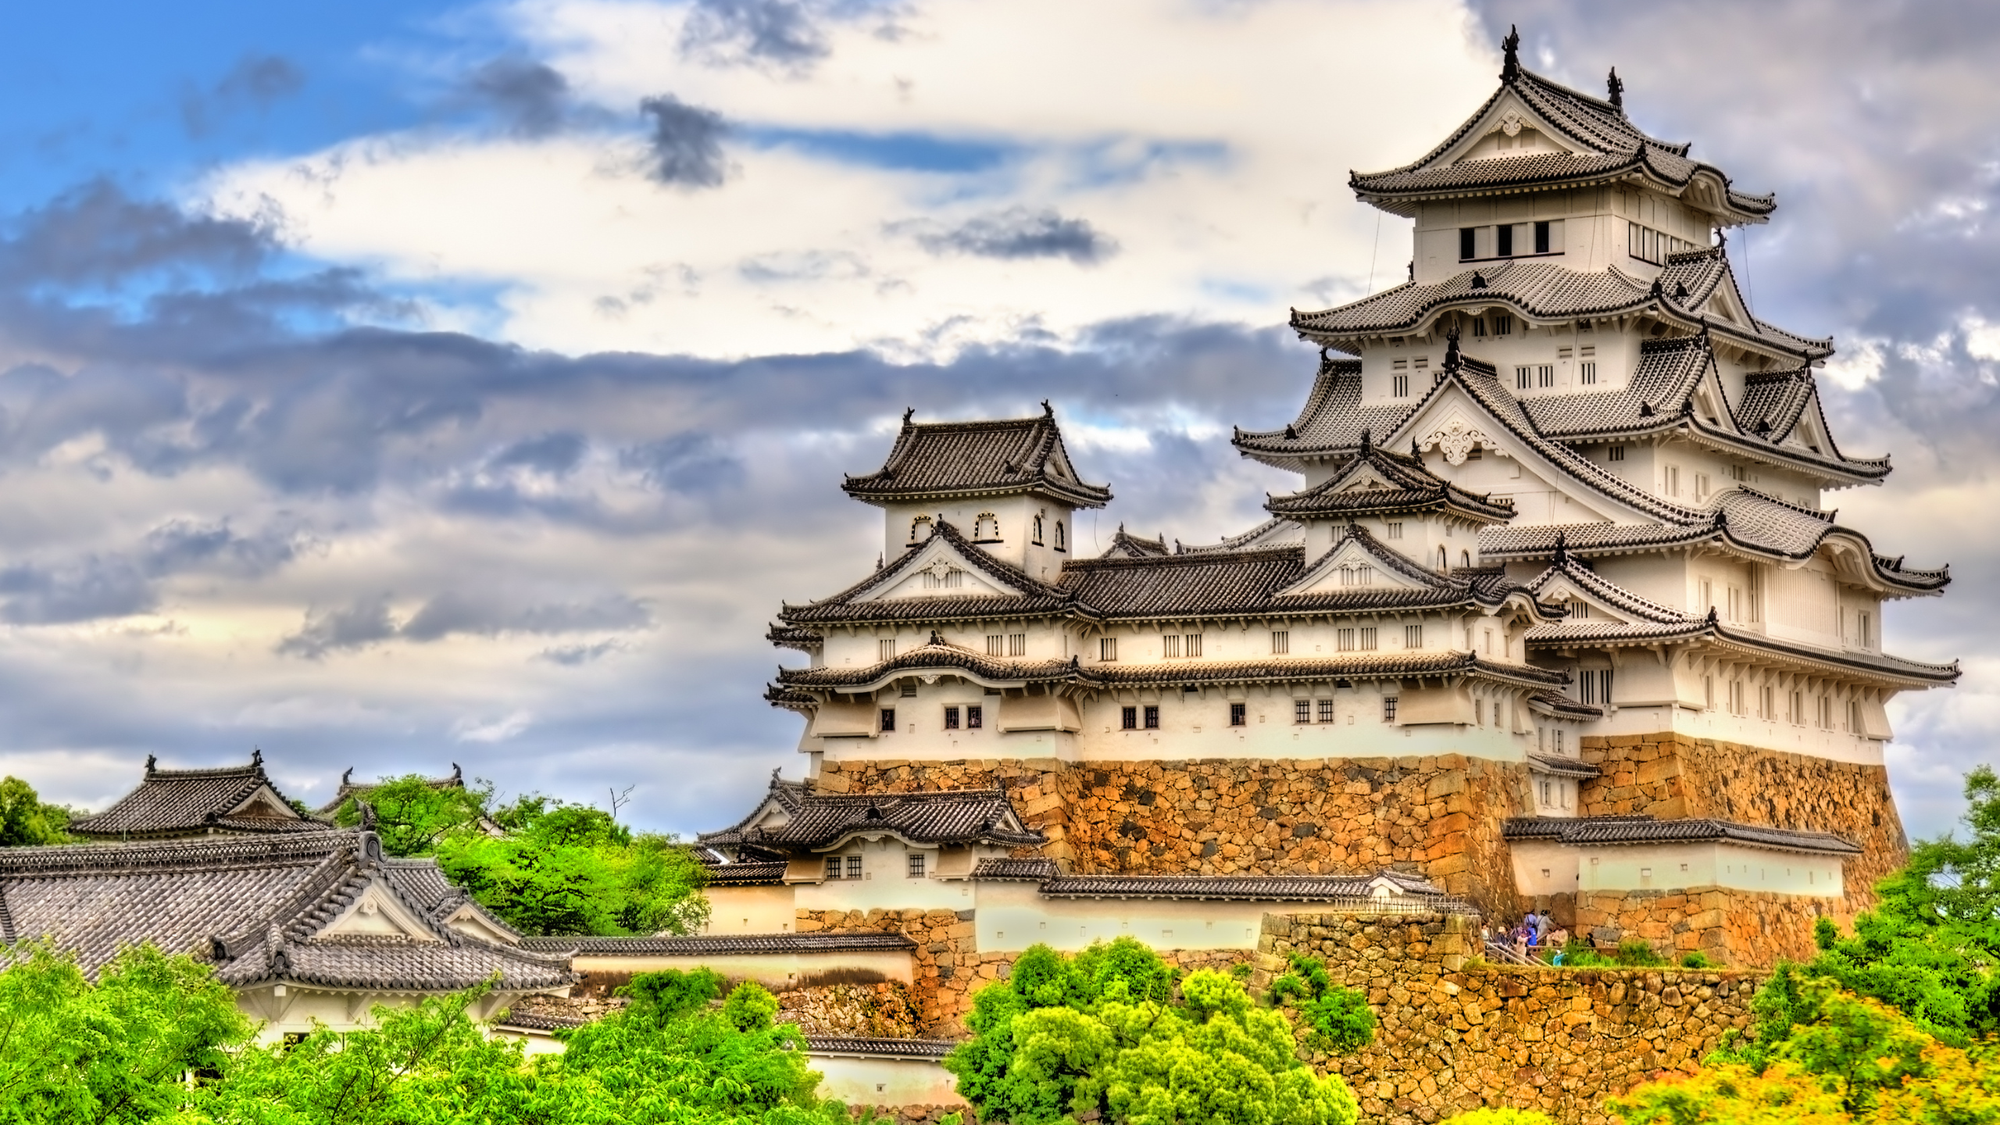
(1468, 240)
(1238, 714)
(888, 720)
(1542, 237)
(854, 867)
(1503, 237)
(1129, 719)
(1479, 326)
(833, 867)
(1152, 718)
(975, 717)
(951, 718)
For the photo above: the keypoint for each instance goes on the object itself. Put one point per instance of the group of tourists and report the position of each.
(1536, 937)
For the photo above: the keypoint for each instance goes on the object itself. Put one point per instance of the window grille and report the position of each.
(1326, 710)
(916, 865)
(1545, 375)
(854, 867)
(1413, 636)
(1281, 641)
(996, 644)
(1152, 717)
(1017, 644)
(1171, 644)
(1395, 529)
(1107, 648)
(1239, 714)
(1193, 645)
(1128, 718)
(951, 718)
(1616, 453)
(1368, 638)
(1388, 708)
(975, 717)
(1344, 640)
(1401, 386)
(833, 867)
(1302, 711)
(885, 650)
(1524, 378)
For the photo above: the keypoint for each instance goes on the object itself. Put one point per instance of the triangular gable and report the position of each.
(1455, 422)
(1509, 127)
(264, 801)
(472, 921)
(1359, 562)
(378, 911)
(940, 569)
(1571, 583)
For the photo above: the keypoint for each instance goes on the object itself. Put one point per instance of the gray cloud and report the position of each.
(256, 81)
(692, 462)
(555, 454)
(484, 615)
(363, 622)
(778, 32)
(1015, 233)
(533, 98)
(91, 588)
(686, 142)
(575, 656)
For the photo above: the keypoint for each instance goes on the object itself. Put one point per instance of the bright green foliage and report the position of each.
(1339, 1019)
(114, 1052)
(1634, 953)
(1699, 960)
(1851, 1060)
(24, 819)
(1931, 946)
(1500, 1117)
(1103, 1031)
(560, 868)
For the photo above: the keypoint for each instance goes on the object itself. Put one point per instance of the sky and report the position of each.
(394, 385)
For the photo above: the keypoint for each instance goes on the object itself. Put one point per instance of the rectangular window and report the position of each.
(1617, 453)
(885, 650)
(1326, 710)
(1545, 375)
(833, 867)
(1559, 740)
(888, 720)
(1152, 717)
(1586, 373)
(1826, 712)
(1503, 325)
(1401, 386)
(1171, 646)
(951, 718)
(1107, 648)
(975, 717)
(1504, 241)
(1478, 326)
(1368, 639)
(1864, 627)
(996, 645)
(854, 867)
(1388, 708)
(1302, 711)
(1542, 237)
(1524, 378)
(1562, 355)
(1701, 486)
(1468, 243)
(1395, 529)
(916, 865)
(1767, 702)
(1281, 642)
(1017, 644)
(1673, 480)
(1795, 711)
(907, 689)
(1193, 646)
(1344, 639)
(1708, 692)
(1128, 718)
(1738, 703)
(1854, 716)
(1595, 686)
(1579, 611)
(1413, 636)
(1239, 714)
(1707, 595)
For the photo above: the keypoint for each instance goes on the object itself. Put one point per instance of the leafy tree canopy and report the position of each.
(1106, 1032)
(556, 868)
(24, 819)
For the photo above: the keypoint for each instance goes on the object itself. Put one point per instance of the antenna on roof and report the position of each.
(1510, 64)
(1616, 86)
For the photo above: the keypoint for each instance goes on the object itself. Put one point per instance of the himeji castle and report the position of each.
(1555, 614)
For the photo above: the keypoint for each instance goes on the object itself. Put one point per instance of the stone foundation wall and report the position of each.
(1730, 926)
(862, 1011)
(1455, 1034)
(1441, 815)
(944, 968)
(1674, 775)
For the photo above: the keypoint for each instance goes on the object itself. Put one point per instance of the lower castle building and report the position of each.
(1554, 615)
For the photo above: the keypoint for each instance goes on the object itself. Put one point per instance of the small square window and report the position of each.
(1129, 718)
(975, 717)
(1468, 243)
(1542, 237)
(1326, 710)
(1152, 718)
(854, 867)
(1017, 644)
(1281, 641)
(1368, 639)
(1107, 648)
(1616, 453)
(916, 865)
(1302, 711)
(995, 645)
(1413, 636)
(888, 720)
(951, 718)
(833, 867)
(1239, 714)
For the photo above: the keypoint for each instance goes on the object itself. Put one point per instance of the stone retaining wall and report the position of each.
(1731, 926)
(1456, 1034)
(860, 1011)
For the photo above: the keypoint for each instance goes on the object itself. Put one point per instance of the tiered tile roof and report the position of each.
(260, 908)
(814, 821)
(1612, 148)
(1605, 830)
(1222, 888)
(1033, 597)
(1405, 486)
(197, 802)
(939, 459)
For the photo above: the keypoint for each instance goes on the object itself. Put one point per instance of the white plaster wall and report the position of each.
(1670, 866)
(885, 882)
(1014, 916)
(1836, 745)
(772, 970)
(750, 910)
(859, 1081)
(1016, 515)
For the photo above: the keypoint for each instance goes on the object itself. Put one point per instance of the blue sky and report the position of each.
(395, 385)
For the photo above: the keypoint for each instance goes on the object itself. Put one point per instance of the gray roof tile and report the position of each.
(1609, 830)
(715, 945)
(823, 820)
(978, 458)
(190, 802)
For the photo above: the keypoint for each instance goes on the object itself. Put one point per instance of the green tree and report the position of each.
(1105, 1032)
(114, 1052)
(1931, 945)
(1338, 1019)
(413, 817)
(24, 819)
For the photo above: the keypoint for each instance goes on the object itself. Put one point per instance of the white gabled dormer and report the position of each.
(379, 912)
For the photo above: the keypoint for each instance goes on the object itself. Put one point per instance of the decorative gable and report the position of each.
(265, 802)
(939, 570)
(1355, 565)
(379, 912)
(1510, 128)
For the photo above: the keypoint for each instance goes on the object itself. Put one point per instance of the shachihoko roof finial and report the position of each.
(1616, 86)
(1047, 410)
(1510, 65)
(1562, 549)
(1451, 356)
(256, 756)
(151, 761)
(908, 413)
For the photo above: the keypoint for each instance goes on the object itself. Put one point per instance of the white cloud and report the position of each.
(471, 729)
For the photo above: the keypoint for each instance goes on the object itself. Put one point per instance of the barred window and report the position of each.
(1107, 648)
(1368, 639)
(1239, 714)
(1171, 644)
(1413, 636)
(1152, 717)
(951, 718)
(1302, 711)
(1344, 640)
(885, 650)
(1017, 644)
(996, 644)
(1193, 645)
(1388, 708)
(1281, 641)
(1524, 378)
(1128, 718)
(833, 867)
(1326, 710)
(975, 717)
(854, 867)
(916, 865)
(1400, 386)
(1545, 375)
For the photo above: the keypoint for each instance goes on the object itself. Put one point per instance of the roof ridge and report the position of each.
(1190, 558)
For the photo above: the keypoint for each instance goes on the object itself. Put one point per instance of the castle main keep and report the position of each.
(1555, 615)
